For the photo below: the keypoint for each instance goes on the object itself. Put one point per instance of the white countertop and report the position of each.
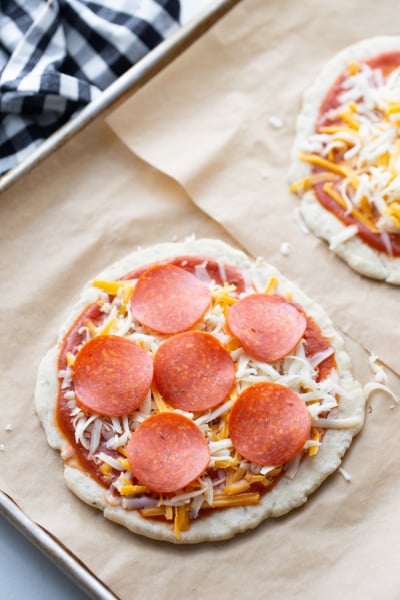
(24, 571)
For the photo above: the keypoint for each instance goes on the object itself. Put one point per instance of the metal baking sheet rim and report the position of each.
(127, 84)
(131, 81)
(54, 550)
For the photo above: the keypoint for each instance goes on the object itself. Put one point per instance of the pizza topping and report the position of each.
(111, 376)
(168, 299)
(167, 452)
(269, 424)
(267, 326)
(356, 143)
(193, 371)
(214, 368)
(345, 474)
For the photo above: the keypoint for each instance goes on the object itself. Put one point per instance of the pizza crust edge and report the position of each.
(288, 493)
(358, 255)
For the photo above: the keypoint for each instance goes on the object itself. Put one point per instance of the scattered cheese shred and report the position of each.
(90, 326)
(154, 511)
(237, 487)
(374, 386)
(70, 359)
(132, 490)
(271, 286)
(347, 116)
(353, 67)
(245, 499)
(343, 236)
(105, 469)
(378, 369)
(308, 182)
(158, 399)
(181, 521)
(333, 423)
(315, 436)
(110, 325)
(345, 474)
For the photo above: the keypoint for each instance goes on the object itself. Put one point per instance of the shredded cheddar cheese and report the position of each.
(70, 359)
(91, 327)
(359, 143)
(353, 67)
(105, 469)
(181, 521)
(308, 182)
(315, 436)
(131, 490)
(245, 499)
(348, 117)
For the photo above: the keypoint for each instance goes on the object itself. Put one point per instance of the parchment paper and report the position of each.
(206, 122)
(89, 204)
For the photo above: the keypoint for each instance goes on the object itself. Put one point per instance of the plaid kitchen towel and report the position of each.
(58, 55)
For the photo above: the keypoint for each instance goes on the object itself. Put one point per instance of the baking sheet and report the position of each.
(128, 83)
(53, 550)
(88, 204)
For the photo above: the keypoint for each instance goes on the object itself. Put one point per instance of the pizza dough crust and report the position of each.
(288, 493)
(362, 258)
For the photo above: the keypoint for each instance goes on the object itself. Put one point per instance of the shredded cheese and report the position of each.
(358, 142)
(345, 474)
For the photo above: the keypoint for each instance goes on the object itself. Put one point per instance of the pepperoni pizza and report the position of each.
(346, 155)
(194, 392)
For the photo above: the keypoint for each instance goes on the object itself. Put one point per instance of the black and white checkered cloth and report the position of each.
(56, 56)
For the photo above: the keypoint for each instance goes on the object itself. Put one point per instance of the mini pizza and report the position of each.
(194, 392)
(346, 157)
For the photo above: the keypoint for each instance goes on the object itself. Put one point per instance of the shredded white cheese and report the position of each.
(345, 474)
(343, 236)
(373, 386)
(284, 248)
(377, 369)
(275, 122)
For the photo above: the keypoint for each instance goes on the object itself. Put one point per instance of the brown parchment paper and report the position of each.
(87, 205)
(206, 122)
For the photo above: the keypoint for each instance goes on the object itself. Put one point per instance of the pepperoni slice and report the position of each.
(268, 327)
(168, 299)
(198, 265)
(193, 371)
(269, 424)
(111, 376)
(167, 452)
